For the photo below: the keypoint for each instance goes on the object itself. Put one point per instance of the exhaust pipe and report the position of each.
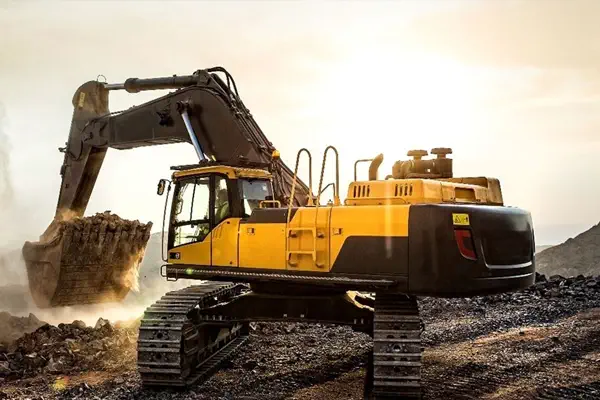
(374, 167)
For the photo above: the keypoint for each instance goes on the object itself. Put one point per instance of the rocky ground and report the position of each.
(543, 342)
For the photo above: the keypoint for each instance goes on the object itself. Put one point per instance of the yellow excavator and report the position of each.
(264, 246)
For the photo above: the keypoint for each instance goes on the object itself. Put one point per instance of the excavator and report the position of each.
(261, 244)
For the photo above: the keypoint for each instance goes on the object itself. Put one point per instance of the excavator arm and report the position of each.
(91, 260)
(204, 111)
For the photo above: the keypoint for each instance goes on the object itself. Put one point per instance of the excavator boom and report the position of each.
(204, 111)
(79, 260)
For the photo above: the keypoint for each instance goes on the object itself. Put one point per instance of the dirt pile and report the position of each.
(12, 328)
(68, 348)
(578, 255)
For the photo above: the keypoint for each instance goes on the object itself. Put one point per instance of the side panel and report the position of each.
(194, 253)
(370, 240)
(225, 243)
(262, 245)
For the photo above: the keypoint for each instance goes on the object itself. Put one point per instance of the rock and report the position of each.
(12, 328)
(4, 368)
(96, 345)
(33, 319)
(101, 323)
(80, 324)
(250, 365)
(54, 367)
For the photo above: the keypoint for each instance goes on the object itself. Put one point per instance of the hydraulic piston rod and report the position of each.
(182, 108)
(135, 85)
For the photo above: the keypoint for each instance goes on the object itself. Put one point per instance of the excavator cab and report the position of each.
(208, 205)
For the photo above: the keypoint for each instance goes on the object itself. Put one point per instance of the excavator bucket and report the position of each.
(86, 260)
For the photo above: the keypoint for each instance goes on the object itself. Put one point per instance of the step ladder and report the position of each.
(316, 234)
(293, 233)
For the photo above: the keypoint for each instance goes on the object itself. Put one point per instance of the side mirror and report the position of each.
(161, 187)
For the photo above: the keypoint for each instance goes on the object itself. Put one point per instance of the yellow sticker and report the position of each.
(81, 99)
(460, 219)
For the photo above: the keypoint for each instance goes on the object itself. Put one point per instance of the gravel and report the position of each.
(514, 344)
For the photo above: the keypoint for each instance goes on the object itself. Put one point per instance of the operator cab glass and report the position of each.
(191, 211)
(202, 203)
(253, 192)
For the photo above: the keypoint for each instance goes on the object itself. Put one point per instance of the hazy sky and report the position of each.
(512, 87)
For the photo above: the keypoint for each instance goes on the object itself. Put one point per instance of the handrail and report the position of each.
(356, 164)
(274, 202)
(337, 175)
(162, 231)
(325, 188)
(310, 192)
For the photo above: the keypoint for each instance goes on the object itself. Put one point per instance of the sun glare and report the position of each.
(376, 102)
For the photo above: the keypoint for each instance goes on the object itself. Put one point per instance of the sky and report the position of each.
(512, 86)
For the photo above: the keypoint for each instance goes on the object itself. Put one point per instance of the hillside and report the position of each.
(540, 248)
(577, 256)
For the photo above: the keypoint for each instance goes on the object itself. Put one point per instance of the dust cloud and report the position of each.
(6, 188)
(145, 283)
(16, 299)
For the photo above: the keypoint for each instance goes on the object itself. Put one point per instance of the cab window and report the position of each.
(222, 209)
(191, 211)
(253, 192)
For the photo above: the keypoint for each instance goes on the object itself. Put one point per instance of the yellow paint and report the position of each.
(461, 219)
(262, 245)
(194, 253)
(308, 240)
(346, 221)
(224, 243)
(419, 191)
(81, 99)
(315, 236)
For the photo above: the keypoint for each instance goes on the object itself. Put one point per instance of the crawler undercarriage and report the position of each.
(187, 334)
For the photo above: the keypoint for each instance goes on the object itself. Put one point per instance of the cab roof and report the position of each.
(231, 172)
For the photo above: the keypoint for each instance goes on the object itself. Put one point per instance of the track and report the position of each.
(175, 351)
(180, 346)
(395, 365)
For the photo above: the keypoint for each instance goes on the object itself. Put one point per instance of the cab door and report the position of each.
(224, 242)
(191, 232)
